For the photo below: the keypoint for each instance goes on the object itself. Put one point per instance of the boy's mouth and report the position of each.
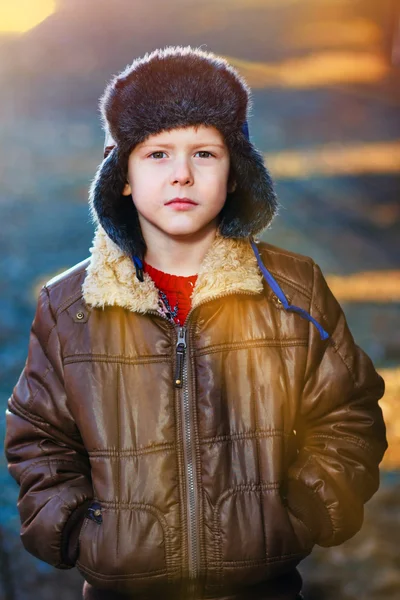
(181, 201)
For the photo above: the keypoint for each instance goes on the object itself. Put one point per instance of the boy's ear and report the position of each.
(232, 184)
(232, 187)
(127, 191)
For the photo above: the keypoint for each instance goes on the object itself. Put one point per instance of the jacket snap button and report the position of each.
(94, 513)
(80, 315)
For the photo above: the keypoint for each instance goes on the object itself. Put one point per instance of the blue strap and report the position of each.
(138, 262)
(139, 267)
(278, 291)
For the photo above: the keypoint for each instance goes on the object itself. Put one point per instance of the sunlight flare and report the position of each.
(21, 15)
(336, 159)
(318, 69)
(367, 286)
(390, 408)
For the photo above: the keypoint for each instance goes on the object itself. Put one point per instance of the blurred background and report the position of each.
(326, 81)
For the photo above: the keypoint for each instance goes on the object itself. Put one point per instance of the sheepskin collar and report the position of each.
(229, 266)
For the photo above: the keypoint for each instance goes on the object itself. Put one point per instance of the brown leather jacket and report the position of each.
(214, 455)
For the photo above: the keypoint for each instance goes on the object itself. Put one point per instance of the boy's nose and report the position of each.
(182, 172)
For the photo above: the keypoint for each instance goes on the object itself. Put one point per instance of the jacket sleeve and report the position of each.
(44, 449)
(341, 432)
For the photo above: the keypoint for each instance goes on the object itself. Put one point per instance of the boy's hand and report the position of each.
(303, 533)
(72, 529)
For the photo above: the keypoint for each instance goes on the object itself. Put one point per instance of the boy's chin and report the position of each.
(189, 230)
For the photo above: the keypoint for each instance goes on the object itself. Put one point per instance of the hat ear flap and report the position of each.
(115, 212)
(253, 205)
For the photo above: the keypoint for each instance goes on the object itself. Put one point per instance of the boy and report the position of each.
(189, 422)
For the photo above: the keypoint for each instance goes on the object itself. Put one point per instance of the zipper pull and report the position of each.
(180, 356)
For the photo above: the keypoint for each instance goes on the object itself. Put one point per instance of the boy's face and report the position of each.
(190, 162)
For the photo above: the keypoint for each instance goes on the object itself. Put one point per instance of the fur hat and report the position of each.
(177, 87)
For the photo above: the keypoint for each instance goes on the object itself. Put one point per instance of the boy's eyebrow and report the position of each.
(191, 146)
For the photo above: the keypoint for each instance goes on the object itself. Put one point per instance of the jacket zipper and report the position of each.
(181, 381)
(180, 356)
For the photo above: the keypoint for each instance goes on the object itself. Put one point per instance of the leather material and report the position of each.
(286, 435)
(282, 588)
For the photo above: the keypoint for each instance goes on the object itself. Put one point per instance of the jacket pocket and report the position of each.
(87, 540)
(254, 534)
(238, 526)
(124, 543)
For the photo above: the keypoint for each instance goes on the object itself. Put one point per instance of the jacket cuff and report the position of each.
(70, 534)
(307, 506)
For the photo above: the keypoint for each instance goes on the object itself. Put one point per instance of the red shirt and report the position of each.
(177, 289)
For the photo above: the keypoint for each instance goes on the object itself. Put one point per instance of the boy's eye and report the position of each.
(157, 152)
(204, 152)
(199, 152)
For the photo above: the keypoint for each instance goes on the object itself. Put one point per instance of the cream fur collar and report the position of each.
(229, 265)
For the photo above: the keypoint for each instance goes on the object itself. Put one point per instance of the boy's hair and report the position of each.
(170, 88)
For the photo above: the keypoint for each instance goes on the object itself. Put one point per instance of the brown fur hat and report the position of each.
(176, 87)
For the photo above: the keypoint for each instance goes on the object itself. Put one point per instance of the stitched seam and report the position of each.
(127, 456)
(157, 514)
(257, 444)
(121, 577)
(266, 249)
(69, 301)
(286, 378)
(129, 452)
(68, 278)
(251, 344)
(233, 437)
(38, 389)
(119, 504)
(58, 495)
(334, 345)
(101, 355)
(258, 561)
(349, 439)
(79, 358)
(56, 461)
(283, 278)
(34, 419)
(332, 342)
(58, 337)
(262, 487)
(293, 284)
(309, 330)
(19, 408)
(46, 345)
(118, 466)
